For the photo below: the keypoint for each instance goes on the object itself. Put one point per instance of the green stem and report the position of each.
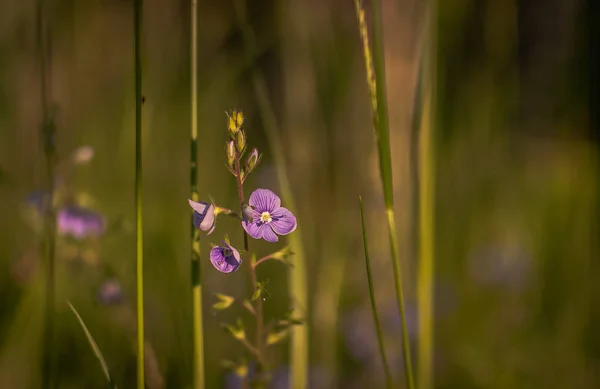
(198, 339)
(138, 194)
(386, 367)
(260, 349)
(48, 133)
(297, 275)
(375, 68)
(426, 163)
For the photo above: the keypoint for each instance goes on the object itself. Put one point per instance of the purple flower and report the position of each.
(226, 258)
(79, 222)
(110, 293)
(204, 216)
(268, 217)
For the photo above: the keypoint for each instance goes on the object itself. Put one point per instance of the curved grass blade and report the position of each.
(94, 346)
(297, 275)
(386, 367)
(375, 70)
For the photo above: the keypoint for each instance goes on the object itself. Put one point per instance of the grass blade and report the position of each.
(198, 339)
(297, 276)
(375, 70)
(94, 347)
(426, 197)
(137, 13)
(386, 367)
(43, 47)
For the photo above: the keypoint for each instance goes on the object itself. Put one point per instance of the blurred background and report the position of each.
(515, 188)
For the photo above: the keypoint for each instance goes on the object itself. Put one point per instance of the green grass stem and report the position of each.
(137, 12)
(426, 196)
(297, 273)
(386, 367)
(43, 47)
(198, 337)
(375, 69)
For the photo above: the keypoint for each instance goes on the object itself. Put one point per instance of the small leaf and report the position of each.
(237, 333)
(277, 336)
(224, 301)
(256, 294)
(282, 254)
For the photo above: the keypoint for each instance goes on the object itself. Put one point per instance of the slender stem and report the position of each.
(48, 134)
(386, 366)
(263, 259)
(198, 338)
(426, 193)
(138, 194)
(259, 304)
(375, 69)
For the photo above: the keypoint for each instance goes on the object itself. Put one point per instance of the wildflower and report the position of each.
(226, 258)
(268, 217)
(110, 293)
(204, 216)
(79, 222)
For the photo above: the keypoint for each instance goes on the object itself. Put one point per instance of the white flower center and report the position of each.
(265, 217)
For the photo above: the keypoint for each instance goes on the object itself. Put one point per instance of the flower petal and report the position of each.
(264, 200)
(269, 235)
(255, 230)
(284, 221)
(200, 207)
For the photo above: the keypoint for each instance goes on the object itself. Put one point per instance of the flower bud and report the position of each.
(252, 160)
(239, 119)
(230, 151)
(231, 126)
(240, 141)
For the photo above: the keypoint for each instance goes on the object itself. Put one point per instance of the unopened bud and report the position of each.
(230, 151)
(239, 119)
(240, 141)
(252, 160)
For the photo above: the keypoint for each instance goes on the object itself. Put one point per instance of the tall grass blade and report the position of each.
(386, 367)
(297, 273)
(94, 347)
(137, 12)
(198, 339)
(426, 192)
(43, 47)
(375, 69)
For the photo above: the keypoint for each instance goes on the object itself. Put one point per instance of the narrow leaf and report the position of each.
(224, 302)
(277, 336)
(94, 346)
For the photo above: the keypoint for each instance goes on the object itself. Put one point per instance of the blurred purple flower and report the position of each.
(225, 259)
(83, 154)
(268, 217)
(505, 265)
(204, 216)
(79, 222)
(110, 293)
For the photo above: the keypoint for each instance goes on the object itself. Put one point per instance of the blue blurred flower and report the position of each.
(110, 293)
(79, 222)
